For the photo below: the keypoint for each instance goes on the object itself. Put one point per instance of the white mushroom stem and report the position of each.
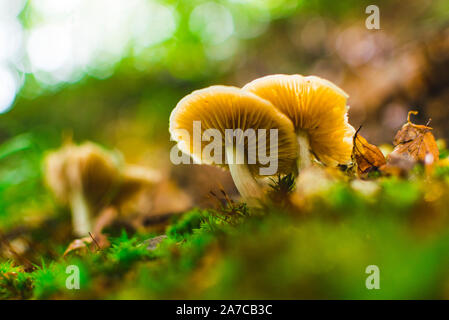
(80, 214)
(304, 155)
(246, 184)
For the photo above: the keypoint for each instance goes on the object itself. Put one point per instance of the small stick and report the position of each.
(95, 241)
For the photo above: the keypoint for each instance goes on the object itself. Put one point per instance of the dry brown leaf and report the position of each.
(414, 142)
(80, 246)
(85, 245)
(366, 156)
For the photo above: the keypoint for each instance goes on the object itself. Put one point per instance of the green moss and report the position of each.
(319, 251)
(186, 224)
(124, 251)
(14, 282)
(51, 281)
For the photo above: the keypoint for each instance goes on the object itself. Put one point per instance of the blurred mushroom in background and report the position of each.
(98, 186)
(85, 177)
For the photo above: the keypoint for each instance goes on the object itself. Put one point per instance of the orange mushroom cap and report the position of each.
(315, 106)
(225, 107)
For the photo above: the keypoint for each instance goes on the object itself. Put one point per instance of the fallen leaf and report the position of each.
(366, 156)
(88, 244)
(414, 142)
(80, 246)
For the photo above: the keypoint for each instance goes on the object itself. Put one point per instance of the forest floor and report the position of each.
(318, 248)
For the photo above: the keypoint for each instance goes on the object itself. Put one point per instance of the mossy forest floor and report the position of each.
(318, 248)
(315, 241)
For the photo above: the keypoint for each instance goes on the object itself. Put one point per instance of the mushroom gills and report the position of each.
(304, 154)
(80, 214)
(246, 184)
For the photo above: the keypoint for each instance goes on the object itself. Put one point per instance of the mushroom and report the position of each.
(81, 176)
(133, 180)
(318, 111)
(92, 181)
(225, 109)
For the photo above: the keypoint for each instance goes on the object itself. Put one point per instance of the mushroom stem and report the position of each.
(80, 214)
(246, 184)
(304, 155)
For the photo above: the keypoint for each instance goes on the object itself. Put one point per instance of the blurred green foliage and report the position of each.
(21, 186)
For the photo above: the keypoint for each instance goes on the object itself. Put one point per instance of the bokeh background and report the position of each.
(111, 71)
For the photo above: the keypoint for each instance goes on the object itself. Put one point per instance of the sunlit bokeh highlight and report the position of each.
(55, 42)
(11, 34)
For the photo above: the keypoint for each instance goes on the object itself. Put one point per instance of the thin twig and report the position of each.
(95, 241)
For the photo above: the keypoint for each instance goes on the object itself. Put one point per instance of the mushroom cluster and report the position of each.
(309, 114)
